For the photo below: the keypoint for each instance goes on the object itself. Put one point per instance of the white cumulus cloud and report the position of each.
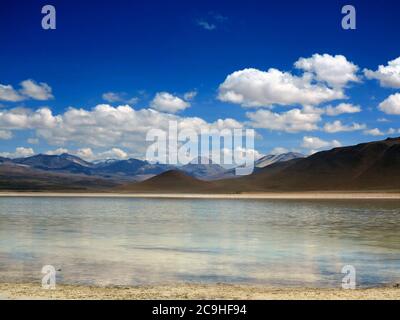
(7, 93)
(393, 131)
(37, 91)
(294, 120)
(114, 153)
(56, 151)
(166, 102)
(336, 70)
(279, 150)
(256, 88)
(337, 126)
(391, 105)
(314, 144)
(388, 76)
(324, 79)
(113, 97)
(374, 132)
(190, 95)
(23, 118)
(20, 152)
(102, 127)
(342, 108)
(5, 135)
(30, 89)
(85, 153)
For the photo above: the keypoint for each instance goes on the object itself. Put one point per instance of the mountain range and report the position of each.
(274, 158)
(373, 166)
(258, 164)
(33, 172)
(131, 169)
(19, 177)
(367, 166)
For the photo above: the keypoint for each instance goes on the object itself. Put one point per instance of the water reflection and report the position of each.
(147, 241)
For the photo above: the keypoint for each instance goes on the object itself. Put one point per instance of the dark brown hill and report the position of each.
(172, 181)
(373, 166)
(366, 166)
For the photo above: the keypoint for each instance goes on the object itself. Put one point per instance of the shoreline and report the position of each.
(33, 291)
(323, 195)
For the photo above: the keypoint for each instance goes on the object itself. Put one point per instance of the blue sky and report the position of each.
(175, 57)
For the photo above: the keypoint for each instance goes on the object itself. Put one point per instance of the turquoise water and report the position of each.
(124, 241)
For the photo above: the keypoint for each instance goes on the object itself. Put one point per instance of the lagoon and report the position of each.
(133, 241)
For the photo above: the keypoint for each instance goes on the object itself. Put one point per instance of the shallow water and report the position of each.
(123, 241)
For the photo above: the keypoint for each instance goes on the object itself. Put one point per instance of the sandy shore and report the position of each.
(272, 196)
(193, 291)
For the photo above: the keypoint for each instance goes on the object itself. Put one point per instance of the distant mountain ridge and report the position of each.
(131, 169)
(59, 163)
(259, 164)
(274, 158)
(202, 168)
(21, 177)
(373, 166)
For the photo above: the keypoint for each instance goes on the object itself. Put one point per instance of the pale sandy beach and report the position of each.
(193, 291)
(286, 195)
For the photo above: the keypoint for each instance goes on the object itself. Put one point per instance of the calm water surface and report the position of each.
(148, 241)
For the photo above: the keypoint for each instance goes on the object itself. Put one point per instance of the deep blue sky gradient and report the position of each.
(143, 47)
